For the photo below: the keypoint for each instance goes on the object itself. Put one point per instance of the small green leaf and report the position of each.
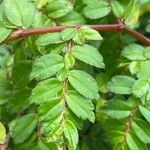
(5, 92)
(90, 34)
(58, 8)
(73, 18)
(68, 33)
(116, 137)
(142, 130)
(49, 38)
(63, 74)
(117, 109)
(44, 145)
(69, 61)
(21, 128)
(84, 83)
(145, 112)
(19, 101)
(2, 134)
(140, 88)
(134, 67)
(130, 8)
(89, 55)
(97, 10)
(56, 133)
(46, 66)
(19, 12)
(28, 143)
(45, 91)
(71, 134)
(132, 20)
(121, 84)
(144, 71)
(117, 8)
(80, 105)
(147, 52)
(78, 122)
(4, 33)
(147, 28)
(102, 80)
(20, 73)
(86, 33)
(134, 52)
(51, 109)
(89, 1)
(49, 127)
(42, 3)
(134, 143)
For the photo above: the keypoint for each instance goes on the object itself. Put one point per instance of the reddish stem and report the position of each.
(21, 33)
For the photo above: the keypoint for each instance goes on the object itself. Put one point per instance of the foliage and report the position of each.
(75, 88)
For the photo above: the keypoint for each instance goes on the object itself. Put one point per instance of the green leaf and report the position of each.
(44, 145)
(49, 38)
(102, 79)
(97, 10)
(59, 8)
(69, 61)
(46, 66)
(78, 122)
(73, 18)
(28, 143)
(48, 128)
(20, 55)
(90, 34)
(50, 110)
(89, 55)
(68, 34)
(19, 101)
(140, 88)
(19, 12)
(21, 128)
(147, 28)
(71, 134)
(2, 134)
(86, 33)
(63, 74)
(132, 20)
(134, 67)
(42, 3)
(5, 92)
(144, 71)
(4, 33)
(117, 109)
(147, 52)
(134, 143)
(142, 130)
(56, 133)
(145, 112)
(117, 8)
(80, 105)
(20, 73)
(116, 137)
(134, 52)
(45, 91)
(90, 1)
(121, 84)
(84, 83)
(130, 8)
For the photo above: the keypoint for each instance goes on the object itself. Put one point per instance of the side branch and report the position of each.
(21, 33)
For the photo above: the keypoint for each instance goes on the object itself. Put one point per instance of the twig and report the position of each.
(21, 33)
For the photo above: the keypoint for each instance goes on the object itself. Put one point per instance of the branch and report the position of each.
(21, 33)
